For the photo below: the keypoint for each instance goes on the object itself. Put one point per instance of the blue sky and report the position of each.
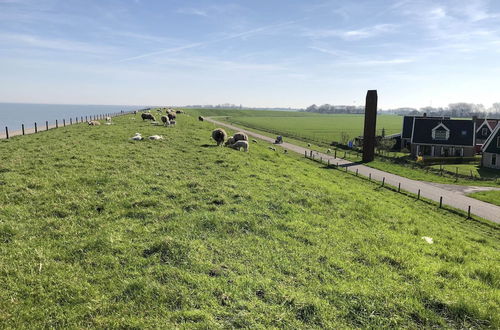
(259, 53)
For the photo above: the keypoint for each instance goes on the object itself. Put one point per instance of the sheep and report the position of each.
(165, 120)
(309, 145)
(135, 112)
(93, 123)
(240, 136)
(254, 141)
(200, 118)
(240, 144)
(108, 119)
(156, 137)
(328, 151)
(147, 116)
(171, 116)
(137, 137)
(272, 148)
(219, 135)
(230, 141)
(179, 111)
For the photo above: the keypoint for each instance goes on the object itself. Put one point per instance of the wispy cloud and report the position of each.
(344, 58)
(356, 34)
(192, 11)
(17, 39)
(209, 42)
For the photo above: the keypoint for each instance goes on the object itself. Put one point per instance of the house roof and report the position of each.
(408, 125)
(490, 145)
(461, 132)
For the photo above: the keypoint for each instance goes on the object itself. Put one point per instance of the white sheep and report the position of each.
(108, 119)
(309, 145)
(272, 148)
(156, 137)
(329, 151)
(240, 144)
(137, 137)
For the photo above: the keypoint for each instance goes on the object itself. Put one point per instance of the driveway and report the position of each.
(450, 194)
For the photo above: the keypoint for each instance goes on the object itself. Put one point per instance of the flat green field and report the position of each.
(492, 197)
(322, 129)
(100, 231)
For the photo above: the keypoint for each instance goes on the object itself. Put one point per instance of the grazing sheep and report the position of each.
(137, 137)
(165, 120)
(171, 116)
(254, 141)
(329, 151)
(240, 136)
(240, 144)
(272, 148)
(156, 137)
(230, 141)
(179, 111)
(147, 116)
(93, 123)
(219, 135)
(135, 112)
(200, 118)
(108, 119)
(309, 145)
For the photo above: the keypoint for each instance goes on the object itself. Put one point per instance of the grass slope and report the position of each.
(492, 197)
(97, 230)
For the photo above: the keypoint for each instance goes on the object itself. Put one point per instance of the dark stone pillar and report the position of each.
(370, 126)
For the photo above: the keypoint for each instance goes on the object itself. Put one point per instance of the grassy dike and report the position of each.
(97, 230)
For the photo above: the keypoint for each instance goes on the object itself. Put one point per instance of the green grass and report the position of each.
(492, 197)
(100, 231)
(320, 130)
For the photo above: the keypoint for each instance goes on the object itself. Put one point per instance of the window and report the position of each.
(440, 135)
(464, 133)
(493, 159)
(484, 131)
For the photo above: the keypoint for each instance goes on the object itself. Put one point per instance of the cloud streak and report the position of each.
(350, 35)
(209, 42)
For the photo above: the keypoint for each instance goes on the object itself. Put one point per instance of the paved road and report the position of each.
(433, 191)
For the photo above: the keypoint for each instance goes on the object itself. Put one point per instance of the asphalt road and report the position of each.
(451, 197)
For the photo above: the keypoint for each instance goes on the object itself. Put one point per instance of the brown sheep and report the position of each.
(240, 136)
(219, 135)
(147, 116)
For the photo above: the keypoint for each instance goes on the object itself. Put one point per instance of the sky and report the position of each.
(259, 53)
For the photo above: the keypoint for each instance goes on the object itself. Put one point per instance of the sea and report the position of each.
(13, 115)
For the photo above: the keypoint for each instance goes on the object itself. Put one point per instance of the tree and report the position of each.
(344, 138)
(386, 144)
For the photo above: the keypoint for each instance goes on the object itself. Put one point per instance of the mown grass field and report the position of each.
(492, 197)
(324, 128)
(320, 130)
(100, 231)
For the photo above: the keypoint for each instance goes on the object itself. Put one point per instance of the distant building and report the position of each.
(484, 128)
(438, 137)
(491, 150)
(407, 131)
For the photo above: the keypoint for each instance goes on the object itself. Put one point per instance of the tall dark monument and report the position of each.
(370, 126)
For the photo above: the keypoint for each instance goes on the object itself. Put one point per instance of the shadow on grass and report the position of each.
(209, 146)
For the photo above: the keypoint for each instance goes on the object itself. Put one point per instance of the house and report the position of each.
(433, 137)
(484, 128)
(491, 150)
(407, 130)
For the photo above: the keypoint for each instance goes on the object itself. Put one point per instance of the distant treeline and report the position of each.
(454, 110)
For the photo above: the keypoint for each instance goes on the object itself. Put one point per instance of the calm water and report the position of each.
(13, 115)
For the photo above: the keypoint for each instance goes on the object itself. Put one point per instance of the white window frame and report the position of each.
(447, 133)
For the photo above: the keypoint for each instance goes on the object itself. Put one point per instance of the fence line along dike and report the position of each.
(434, 193)
(8, 133)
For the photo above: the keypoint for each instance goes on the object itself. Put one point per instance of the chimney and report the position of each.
(370, 126)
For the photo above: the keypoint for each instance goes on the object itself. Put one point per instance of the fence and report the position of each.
(345, 168)
(65, 122)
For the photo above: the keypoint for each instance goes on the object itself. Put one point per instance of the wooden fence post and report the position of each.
(441, 202)
(399, 187)
(64, 122)
(22, 127)
(70, 121)
(36, 128)
(383, 181)
(46, 125)
(57, 124)
(6, 132)
(418, 196)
